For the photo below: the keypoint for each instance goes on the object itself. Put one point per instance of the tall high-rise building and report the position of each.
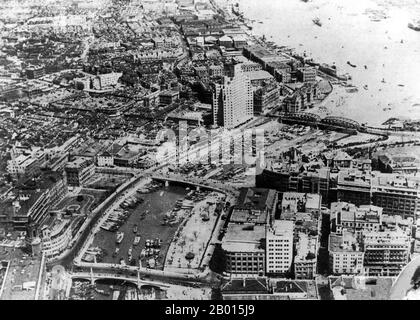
(233, 102)
(279, 247)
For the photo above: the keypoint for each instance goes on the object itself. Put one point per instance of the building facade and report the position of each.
(279, 246)
(79, 171)
(232, 102)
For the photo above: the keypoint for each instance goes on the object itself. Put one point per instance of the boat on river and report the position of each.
(120, 237)
(317, 21)
(351, 64)
(136, 240)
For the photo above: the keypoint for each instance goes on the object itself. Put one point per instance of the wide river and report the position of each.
(388, 48)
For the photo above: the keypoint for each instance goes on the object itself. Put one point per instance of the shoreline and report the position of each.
(352, 98)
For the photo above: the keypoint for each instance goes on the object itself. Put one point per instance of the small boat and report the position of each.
(136, 240)
(117, 250)
(102, 292)
(317, 21)
(414, 26)
(120, 237)
(365, 66)
(351, 64)
(135, 228)
(401, 85)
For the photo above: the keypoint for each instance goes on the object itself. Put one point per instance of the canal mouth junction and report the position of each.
(154, 241)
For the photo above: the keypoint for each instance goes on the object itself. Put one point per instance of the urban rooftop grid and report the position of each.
(190, 149)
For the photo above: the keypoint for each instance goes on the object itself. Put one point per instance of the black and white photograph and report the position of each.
(210, 154)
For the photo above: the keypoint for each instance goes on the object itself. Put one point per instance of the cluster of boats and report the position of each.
(94, 254)
(131, 202)
(130, 255)
(115, 220)
(153, 186)
(119, 239)
(152, 248)
(171, 217)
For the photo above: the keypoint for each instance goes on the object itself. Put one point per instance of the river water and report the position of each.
(388, 48)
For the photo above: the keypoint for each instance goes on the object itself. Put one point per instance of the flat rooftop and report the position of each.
(246, 286)
(23, 272)
(243, 238)
(371, 288)
(336, 243)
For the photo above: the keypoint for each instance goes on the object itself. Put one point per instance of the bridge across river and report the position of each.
(134, 279)
(331, 123)
(198, 184)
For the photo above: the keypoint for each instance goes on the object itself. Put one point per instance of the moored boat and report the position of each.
(414, 25)
(351, 64)
(120, 237)
(317, 21)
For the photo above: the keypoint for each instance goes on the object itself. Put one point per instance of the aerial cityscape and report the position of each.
(209, 150)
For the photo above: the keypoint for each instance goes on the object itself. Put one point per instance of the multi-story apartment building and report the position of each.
(349, 217)
(265, 97)
(255, 205)
(226, 42)
(354, 186)
(279, 247)
(293, 202)
(403, 164)
(306, 74)
(29, 206)
(345, 254)
(250, 66)
(79, 171)
(386, 252)
(55, 237)
(396, 194)
(168, 97)
(22, 165)
(215, 70)
(105, 159)
(284, 180)
(35, 72)
(232, 102)
(103, 81)
(243, 247)
(305, 263)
